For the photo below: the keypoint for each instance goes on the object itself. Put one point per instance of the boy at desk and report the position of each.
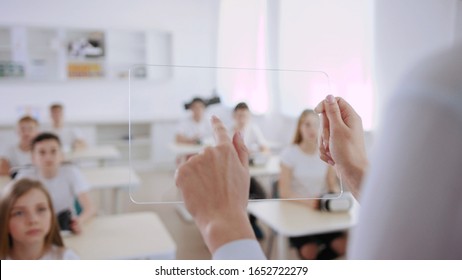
(196, 128)
(65, 183)
(70, 137)
(19, 154)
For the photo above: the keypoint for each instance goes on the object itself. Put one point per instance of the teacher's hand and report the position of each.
(215, 187)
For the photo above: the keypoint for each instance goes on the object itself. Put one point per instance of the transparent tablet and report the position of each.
(177, 101)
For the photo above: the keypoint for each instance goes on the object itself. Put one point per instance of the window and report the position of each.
(242, 44)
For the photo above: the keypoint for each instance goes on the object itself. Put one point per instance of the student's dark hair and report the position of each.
(198, 99)
(56, 106)
(44, 136)
(241, 106)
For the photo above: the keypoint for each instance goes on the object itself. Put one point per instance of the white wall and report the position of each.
(333, 36)
(405, 32)
(192, 23)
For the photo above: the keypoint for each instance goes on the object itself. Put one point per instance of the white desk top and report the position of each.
(94, 153)
(293, 219)
(102, 177)
(272, 167)
(186, 149)
(128, 236)
(111, 177)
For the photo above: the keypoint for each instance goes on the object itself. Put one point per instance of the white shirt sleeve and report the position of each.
(261, 140)
(411, 199)
(79, 184)
(287, 156)
(244, 249)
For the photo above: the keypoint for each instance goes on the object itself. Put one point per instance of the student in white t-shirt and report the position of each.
(64, 181)
(251, 133)
(196, 128)
(303, 175)
(28, 227)
(71, 138)
(19, 154)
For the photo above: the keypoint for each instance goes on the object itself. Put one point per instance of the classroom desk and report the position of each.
(186, 149)
(271, 168)
(292, 219)
(129, 236)
(115, 179)
(99, 153)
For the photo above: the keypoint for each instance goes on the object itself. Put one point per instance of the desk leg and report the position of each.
(117, 200)
(282, 246)
(104, 201)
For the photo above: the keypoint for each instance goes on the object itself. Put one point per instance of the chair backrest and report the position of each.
(275, 189)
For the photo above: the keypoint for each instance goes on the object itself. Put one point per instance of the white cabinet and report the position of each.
(58, 54)
(129, 48)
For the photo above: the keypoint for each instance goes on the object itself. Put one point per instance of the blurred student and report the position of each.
(196, 128)
(303, 175)
(251, 133)
(19, 155)
(64, 182)
(28, 227)
(71, 138)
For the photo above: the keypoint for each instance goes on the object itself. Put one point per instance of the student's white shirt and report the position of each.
(58, 253)
(16, 157)
(253, 137)
(308, 171)
(244, 249)
(189, 128)
(67, 135)
(411, 199)
(64, 188)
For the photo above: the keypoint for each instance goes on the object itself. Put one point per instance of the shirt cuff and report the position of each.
(244, 249)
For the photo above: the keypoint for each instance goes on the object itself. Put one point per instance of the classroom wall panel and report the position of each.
(192, 25)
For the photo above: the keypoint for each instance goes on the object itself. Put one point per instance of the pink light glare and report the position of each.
(251, 86)
(259, 100)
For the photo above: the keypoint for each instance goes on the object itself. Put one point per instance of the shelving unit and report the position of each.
(42, 54)
(5, 44)
(85, 54)
(10, 68)
(58, 54)
(131, 49)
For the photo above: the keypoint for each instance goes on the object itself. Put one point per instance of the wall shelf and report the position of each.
(60, 54)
